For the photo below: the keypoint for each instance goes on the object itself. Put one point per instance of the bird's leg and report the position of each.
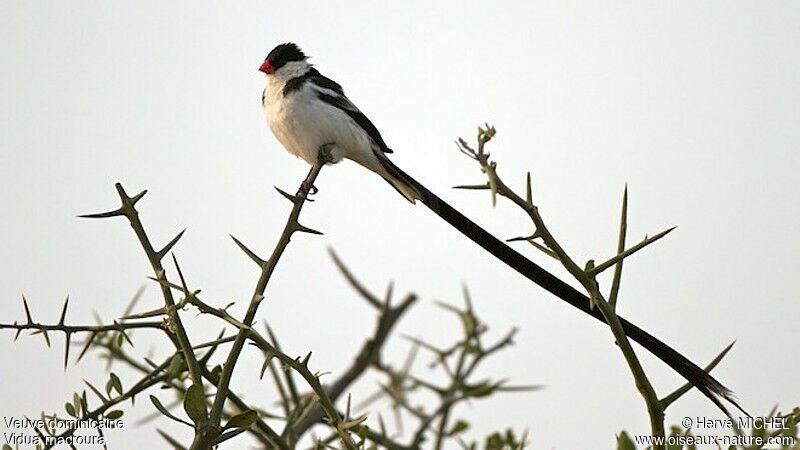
(324, 156)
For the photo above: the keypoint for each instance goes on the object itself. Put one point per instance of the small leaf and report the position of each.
(242, 420)
(114, 383)
(194, 403)
(70, 409)
(76, 402)
(175, 366)
(114, 415)
(363, 432)
(157, 403)
(624, 442)
(216, 371)
(459, 427)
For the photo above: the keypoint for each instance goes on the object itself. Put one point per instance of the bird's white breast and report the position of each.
(303, 123)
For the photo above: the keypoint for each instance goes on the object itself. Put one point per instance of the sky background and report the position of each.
(694, 104)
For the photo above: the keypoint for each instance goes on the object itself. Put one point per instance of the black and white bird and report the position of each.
(309, 113)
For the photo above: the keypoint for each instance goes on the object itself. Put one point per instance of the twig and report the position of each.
(206, 437)
(370, 352)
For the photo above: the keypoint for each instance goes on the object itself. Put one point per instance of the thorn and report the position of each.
(267, 361)
(528, 194)
(287, 195)
(161, 281)
(180, 273)
(138, 197)
(249, 252)
(204, 360)
(305, 360)
(121, 190)
(96, 391)
(27, 310)
(68, 336)
(63, 312)
(472, 186)
(19, 330)
(536, 234)
(163, 252)
(305, 229)
(86, 346)
(104, 215)
(46, 337)
(134, 300)
(156, 312)
(172, 441)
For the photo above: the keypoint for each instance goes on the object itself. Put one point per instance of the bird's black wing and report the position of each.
(332, 93)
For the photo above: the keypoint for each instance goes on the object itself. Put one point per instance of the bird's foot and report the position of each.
(311, 190)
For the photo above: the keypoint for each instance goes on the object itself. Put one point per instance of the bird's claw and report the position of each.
(309, 190)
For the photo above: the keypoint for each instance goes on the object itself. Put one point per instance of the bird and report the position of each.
(310, 115)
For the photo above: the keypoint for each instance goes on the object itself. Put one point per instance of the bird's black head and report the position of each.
(281, 55)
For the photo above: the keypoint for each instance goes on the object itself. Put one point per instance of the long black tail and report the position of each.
(704, 382)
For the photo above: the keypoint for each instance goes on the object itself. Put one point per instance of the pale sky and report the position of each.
(693, 104)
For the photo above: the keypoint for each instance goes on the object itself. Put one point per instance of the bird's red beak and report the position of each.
(266, 67)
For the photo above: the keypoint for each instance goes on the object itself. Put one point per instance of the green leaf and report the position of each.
(242, 420)
(624, 442)
(76, 402)
(157, 403)
(114, 415)
(194, 403)
(175, 366)
(363, 432)
(70, 409)
(494, 442)
(114, 383)
(216, 371)
(459, 427)
(7, 447)
(468, 321)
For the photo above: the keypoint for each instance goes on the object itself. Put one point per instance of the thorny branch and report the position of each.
(301, 412)
(586, 276)
(186, 374)
(174, 325)
(205, 438)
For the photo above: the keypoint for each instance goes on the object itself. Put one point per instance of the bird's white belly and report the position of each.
(304, 124)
